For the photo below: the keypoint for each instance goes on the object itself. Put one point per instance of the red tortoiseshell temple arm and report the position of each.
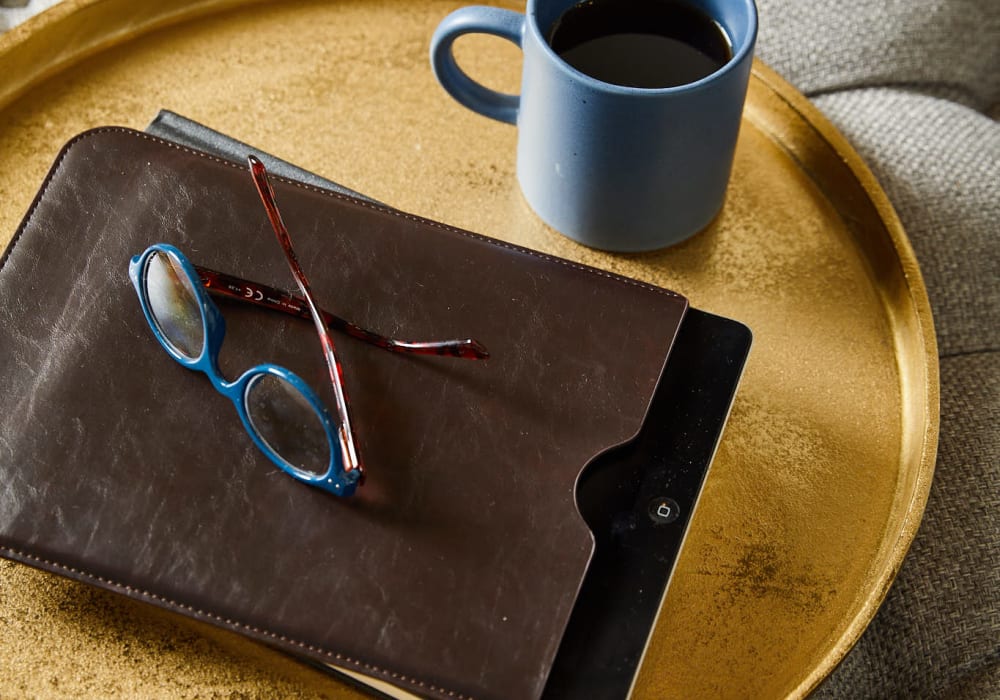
(344, 431)
(279, 300)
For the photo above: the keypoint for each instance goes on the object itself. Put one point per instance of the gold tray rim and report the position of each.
(27, 59)
(930, 378)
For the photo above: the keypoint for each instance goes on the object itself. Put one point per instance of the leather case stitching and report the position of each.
(132, 591)
(336, 195)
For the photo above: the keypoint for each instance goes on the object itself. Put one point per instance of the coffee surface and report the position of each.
(640, 43)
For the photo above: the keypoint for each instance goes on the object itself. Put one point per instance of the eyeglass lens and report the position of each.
(288, 423)
(174, 304)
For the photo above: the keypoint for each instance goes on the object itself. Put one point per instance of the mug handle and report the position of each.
(476, 19)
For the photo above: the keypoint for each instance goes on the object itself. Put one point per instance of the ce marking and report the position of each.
(255, 294)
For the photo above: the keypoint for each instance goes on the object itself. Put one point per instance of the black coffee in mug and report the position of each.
(640, 43)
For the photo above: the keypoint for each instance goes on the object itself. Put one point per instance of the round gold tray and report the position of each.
(822, 474)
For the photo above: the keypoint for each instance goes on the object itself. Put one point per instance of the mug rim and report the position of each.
(738, 57)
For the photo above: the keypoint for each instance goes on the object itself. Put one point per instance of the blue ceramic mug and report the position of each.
(611, 166)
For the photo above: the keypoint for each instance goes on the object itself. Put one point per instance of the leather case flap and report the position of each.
(454, 569)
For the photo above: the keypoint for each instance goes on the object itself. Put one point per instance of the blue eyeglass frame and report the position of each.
(336, 479)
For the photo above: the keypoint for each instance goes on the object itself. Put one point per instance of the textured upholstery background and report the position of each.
(915, 86)
(13, 12)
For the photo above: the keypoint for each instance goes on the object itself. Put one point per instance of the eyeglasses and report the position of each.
(283, 415)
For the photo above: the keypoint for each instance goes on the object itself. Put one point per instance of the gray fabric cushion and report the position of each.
(825, 46)
(939, 162)
(915, 86)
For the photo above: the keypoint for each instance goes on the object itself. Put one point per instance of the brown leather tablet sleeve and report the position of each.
(453, 570)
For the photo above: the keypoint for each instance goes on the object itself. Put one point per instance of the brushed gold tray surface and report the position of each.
(822, 474)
